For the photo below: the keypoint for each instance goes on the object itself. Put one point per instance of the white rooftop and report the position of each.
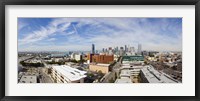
(28, 79)
(123, 80)
(131, 66)
(100, 64)
(72, 74)
(125, 73)
(153, 76)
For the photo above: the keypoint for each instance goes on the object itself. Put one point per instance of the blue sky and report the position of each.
(78, 34)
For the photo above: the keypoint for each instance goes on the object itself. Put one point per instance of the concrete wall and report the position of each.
(96, 68)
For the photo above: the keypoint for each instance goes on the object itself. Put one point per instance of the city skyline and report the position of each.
(72, 34)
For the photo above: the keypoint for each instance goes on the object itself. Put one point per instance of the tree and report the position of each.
(111, 80)
(115, 75)
(100, 73)
(91, 75)
(81, 61)
(74, 61)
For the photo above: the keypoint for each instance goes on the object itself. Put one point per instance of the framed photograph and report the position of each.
(99, 50)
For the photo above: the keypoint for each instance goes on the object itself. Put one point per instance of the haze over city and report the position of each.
(78, 34)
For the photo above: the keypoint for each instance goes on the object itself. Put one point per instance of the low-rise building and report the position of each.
(133, 59)
(150, 75)
(57, 55)
(57, 59)
(28, 79)
(123, 80)
(104, 68)
(103, 58)
(67, 74)
(78, 57)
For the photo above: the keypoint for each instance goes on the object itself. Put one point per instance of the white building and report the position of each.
(57, 59)
(116, 57)
(78, 57)
(132, 50)
(150, 75)
(136, 72)
(73, 56)
(67, 74)
(139, 49)
(123, 80)
(121, 51)
(28, 79)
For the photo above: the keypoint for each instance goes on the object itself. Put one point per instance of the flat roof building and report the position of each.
(57, 55)
(123, 80)
(28, 79)
(103, 58)
(150, 75)
(144, 74)
(133, 58)
(100, 58)
(67, 74)
(104, 68)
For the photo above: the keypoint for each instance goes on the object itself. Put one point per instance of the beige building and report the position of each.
(104, 68)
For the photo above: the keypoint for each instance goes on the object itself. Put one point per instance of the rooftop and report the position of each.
(125, 73)
(133, 58)
(58, 55)
(153, 76)
(28, 79)
(128, 65)
(100, 64)
(72, 74)
(123, 80)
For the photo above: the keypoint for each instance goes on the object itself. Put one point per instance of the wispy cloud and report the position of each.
(51, 39)
(80, 33)
(21, 25)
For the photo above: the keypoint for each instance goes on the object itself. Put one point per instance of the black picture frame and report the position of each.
(3, 3)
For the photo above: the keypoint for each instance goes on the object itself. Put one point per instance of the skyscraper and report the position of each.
(139, 49)
(110, 51)
(93, 49)
(125, 48)
(121, 51)
(117, 49)
(132, 50)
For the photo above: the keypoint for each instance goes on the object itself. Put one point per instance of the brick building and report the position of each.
(100, 58)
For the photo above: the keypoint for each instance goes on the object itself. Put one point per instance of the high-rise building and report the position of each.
(110, 52)
(103, 50)
(121, 51)
(139, 49)
(125, 48)
(116, 49)
(93, 49)
(89, 57)
(106, 50)
(132, 50)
